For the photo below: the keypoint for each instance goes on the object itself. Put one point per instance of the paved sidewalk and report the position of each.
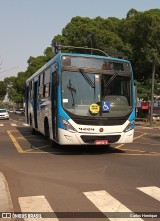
(5, 198)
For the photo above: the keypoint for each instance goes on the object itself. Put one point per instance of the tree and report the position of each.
(10, 84)
(141, 31)
(97, 33)
(48, 53)
(2, 104)
(131, 13)
(3, 90)
(34, 64)
(137, 36)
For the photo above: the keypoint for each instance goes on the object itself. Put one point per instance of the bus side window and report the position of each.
(30, 89)
(41, 86)
(47, 90)
(40, 92)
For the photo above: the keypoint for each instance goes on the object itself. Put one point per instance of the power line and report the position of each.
(8, 69)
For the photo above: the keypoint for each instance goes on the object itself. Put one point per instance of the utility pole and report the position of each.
(152, 94)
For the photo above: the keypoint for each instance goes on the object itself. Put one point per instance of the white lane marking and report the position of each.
(36, 204)
(5, 198)
(27, 125)
(14, 125)
(152, 191)
(108, 204)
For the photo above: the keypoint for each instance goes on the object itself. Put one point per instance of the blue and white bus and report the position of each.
(82, 99)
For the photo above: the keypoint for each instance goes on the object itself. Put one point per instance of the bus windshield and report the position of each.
(109, 93)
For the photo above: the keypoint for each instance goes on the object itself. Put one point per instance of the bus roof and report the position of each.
(59, 55)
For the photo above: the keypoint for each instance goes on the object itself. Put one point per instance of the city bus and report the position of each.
(82, 99)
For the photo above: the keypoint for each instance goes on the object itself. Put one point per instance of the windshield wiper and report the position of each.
(89, 81)
(111, 79)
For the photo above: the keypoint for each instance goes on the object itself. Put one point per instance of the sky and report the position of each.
(27, 27)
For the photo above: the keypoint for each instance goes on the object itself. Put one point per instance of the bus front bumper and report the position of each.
(69, 138)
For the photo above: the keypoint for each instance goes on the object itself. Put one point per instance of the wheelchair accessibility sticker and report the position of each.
(105, 106)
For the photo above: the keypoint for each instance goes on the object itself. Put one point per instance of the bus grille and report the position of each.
(92, 139)
(100, 122)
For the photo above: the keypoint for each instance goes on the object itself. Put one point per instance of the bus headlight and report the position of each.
(67, 125)
(130, 126)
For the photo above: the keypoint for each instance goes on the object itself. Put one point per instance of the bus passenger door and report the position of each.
(35, 103)
(54, 105)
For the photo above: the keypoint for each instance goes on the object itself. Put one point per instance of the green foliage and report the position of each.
(142, 30)
(96, 33)
(144, 89)
(2, 90)
(48, 54)
(34, 64)
(13, 85)
(137, 36)
(131, 13)
(2, 104)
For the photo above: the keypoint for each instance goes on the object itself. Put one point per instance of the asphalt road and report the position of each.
(43, 177)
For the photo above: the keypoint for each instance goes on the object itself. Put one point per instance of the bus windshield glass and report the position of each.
(86, 93)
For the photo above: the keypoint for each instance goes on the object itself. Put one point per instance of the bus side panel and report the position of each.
(35, 104)
(26, 104)
(54, 105)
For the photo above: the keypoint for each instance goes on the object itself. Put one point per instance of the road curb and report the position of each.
(5, 197)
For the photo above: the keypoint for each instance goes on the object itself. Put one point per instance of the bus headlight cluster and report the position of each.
(67, 125)
(130, 126)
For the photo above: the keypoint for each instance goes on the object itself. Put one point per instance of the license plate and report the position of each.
(101, 142)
